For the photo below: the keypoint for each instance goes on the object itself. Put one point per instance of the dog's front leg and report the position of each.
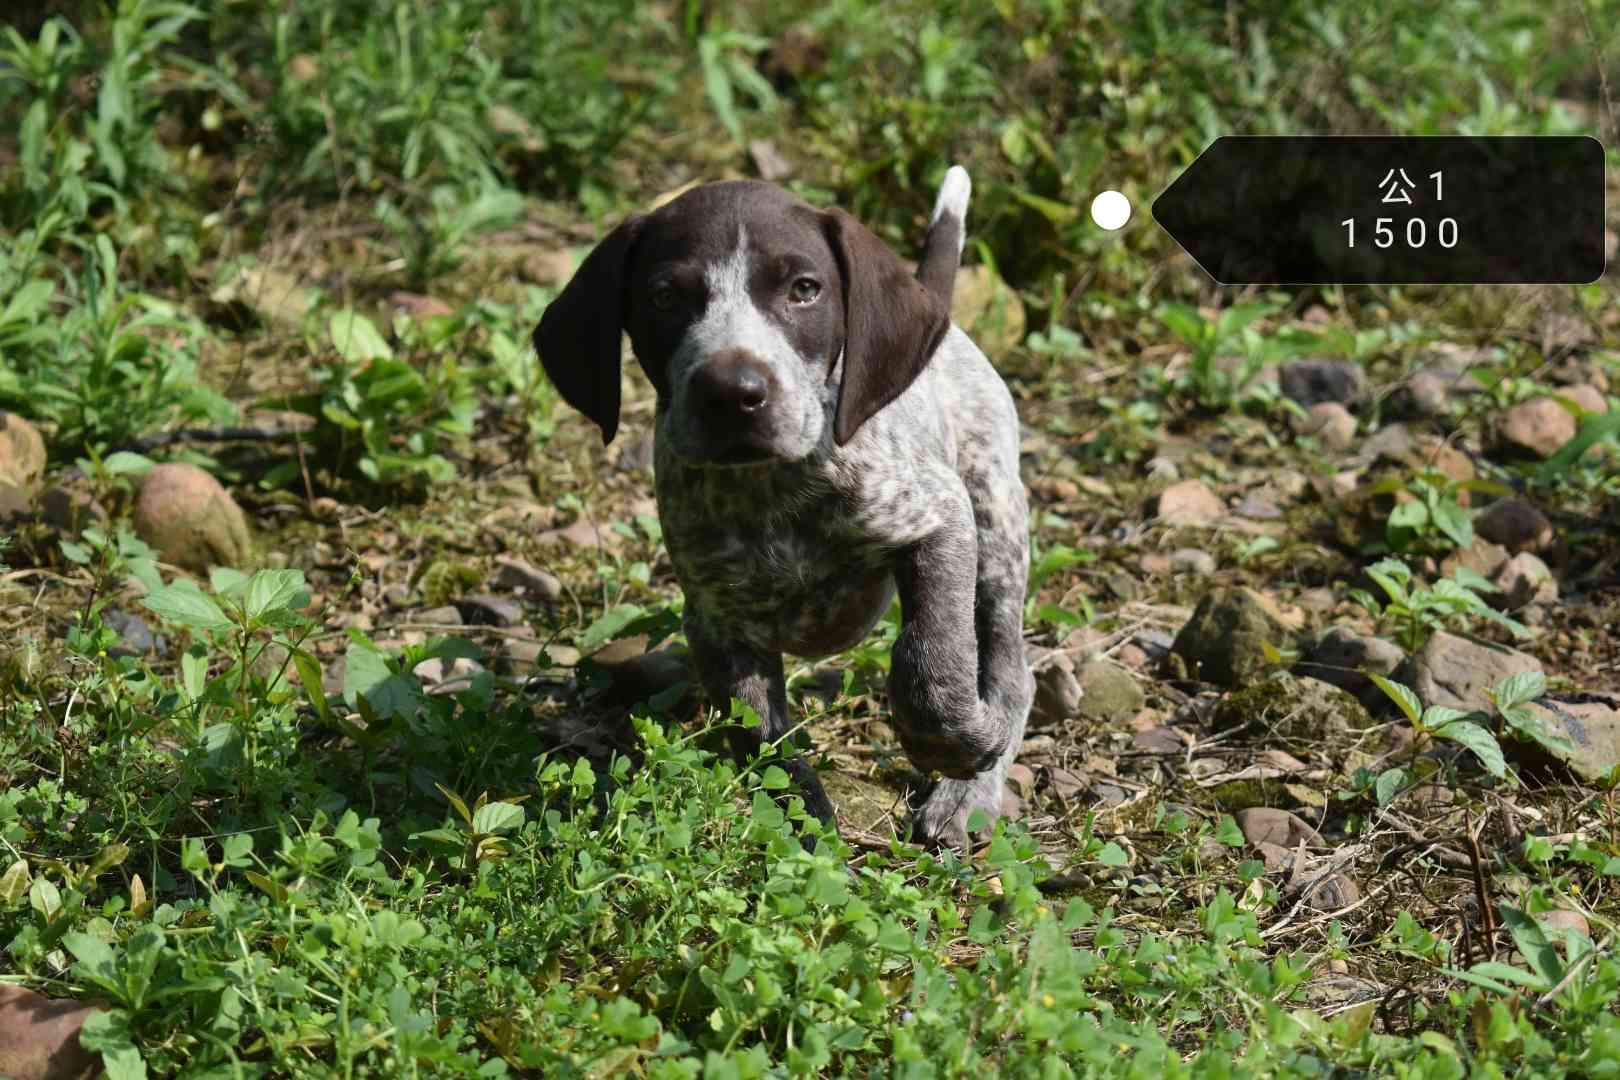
(935, 687)
(732, 669)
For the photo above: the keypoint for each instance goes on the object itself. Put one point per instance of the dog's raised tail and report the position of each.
(947, 230)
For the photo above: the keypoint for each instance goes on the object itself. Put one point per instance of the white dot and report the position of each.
(1110, 210)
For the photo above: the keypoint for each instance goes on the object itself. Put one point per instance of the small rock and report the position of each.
(190, 520)
(1331, 424)
(485, 610)
(1456, 671)
(135, 637)
(1266, 825)
(418, 306)
(1516, 524)
(1158, 740)
(447, 675)
(1332, 893)
(582, 535)
(1314, 382)
(1426, 394)
(1065, 783)
(1225, 640)
(1588, 397)
(518, 654)
(1021, 778)
(22, 452)
(1054, 489)
(769, 162)
(1591, 722)
(1057, 691)
(1431, 452)
(39, 1037)
(1392, 442)
(1194, 561)
(1318, 601)
(444, 615)
(1538, 427)
(1257, 507)
(1107, 692)
(397, 595)
(1292, 710)
(1482, 557)
(1523, 579)
(1188, 502)
(1342, 657)
(1560, 919)
(519, 576)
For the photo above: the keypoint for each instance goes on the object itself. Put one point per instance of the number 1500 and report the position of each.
(1417, 232)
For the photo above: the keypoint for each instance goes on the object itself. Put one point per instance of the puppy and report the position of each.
(825, 438)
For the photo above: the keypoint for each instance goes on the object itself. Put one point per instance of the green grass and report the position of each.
(262, 866)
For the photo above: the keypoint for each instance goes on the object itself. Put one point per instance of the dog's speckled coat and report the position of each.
(824, 437)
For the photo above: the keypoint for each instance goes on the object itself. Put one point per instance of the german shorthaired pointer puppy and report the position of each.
(824, 437)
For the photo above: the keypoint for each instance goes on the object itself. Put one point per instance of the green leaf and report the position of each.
(1401, 696)
(773, 779)
(1388, 785)
(1111, 854)
(127, 463)
(356, 337)
(184, 604)
(1228, 832)
(107, 1031)
(1479, 740)
(607, 625)
(1532, 941)
(1526, 723)
(14, 882)
(272, 590)
(1518, 689)
(498, 817)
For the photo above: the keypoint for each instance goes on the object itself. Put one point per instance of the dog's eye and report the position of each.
(665, 297)
(804, 290)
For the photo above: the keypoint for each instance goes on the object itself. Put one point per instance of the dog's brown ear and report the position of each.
(578, 338)
(892, 323)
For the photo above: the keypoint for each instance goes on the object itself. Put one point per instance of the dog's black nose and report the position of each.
(736, 385)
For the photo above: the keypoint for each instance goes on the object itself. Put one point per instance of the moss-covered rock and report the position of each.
(1108, 692)
(1225, 642)
(1288, 710)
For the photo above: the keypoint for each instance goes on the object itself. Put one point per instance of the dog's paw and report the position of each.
(942, 819)
(959, 752)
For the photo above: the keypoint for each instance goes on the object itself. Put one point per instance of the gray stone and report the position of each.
(1058, 693)
(1312, 382)
(1108, 692)
(1342, 657)
(517, 575)
(1591, 723)
(1194, 561)
(1456, 671)
(1524, 580)
(485, 610)
(1516, 524)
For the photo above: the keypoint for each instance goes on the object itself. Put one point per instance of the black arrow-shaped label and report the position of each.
(1281, 210)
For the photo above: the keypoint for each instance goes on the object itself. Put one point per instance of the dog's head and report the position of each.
(760, 321)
